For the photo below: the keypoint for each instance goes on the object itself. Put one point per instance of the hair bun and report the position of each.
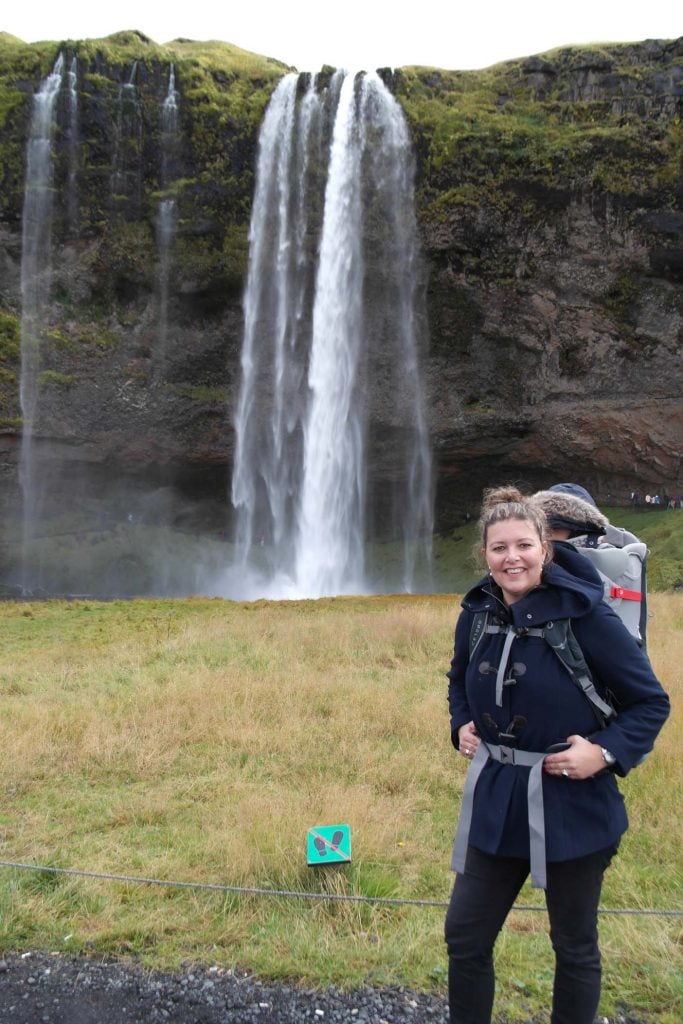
(501, 495)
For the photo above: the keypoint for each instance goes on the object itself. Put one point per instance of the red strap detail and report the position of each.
(626, 595)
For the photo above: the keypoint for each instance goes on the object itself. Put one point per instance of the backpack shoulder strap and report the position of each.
(477, 630)
(560, 636)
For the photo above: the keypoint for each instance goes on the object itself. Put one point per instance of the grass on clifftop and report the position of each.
(198, 740)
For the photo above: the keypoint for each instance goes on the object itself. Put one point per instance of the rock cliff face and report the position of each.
(550, 195)
(549, 198)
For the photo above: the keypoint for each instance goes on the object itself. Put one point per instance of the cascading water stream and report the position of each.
(126, 176)
(395, 269)
(260, 490)
(36, 275)
(169, 114)
(166, 213)
(330, 362)
(330, 536)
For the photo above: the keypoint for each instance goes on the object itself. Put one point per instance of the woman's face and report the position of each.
(515, 556)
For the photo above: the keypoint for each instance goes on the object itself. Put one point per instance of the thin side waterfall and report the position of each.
(36, 275)
(332, 447)
(166, 213)
(395, 268)
(126, 176)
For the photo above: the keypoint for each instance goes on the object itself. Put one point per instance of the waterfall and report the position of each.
(166, 213)
(330, 535)
(332, 446)
(399, 315)
(266, 457)
(169, 108)
(126, 176)
(36, 273)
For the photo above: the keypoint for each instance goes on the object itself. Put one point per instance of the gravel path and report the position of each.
(41, 988)
(47, 988)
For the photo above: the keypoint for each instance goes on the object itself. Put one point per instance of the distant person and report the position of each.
(541, 794)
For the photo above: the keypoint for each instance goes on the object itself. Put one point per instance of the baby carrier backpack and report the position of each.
(621, 564)
(618, 556)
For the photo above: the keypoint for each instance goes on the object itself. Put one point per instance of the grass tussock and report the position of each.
(199, 740)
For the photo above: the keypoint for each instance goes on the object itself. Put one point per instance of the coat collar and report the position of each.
(560, 596)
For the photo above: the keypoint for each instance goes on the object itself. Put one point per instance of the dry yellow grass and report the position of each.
(199, 740)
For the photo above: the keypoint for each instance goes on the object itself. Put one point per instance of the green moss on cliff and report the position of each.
(10, 360)
(623, 296)
(10, 326)
(53, 378)
(202, 393)
(10, 100)
(222, 92)
(515, 134)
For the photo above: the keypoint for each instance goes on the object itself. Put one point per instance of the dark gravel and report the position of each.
(47, 988)
(41, 988)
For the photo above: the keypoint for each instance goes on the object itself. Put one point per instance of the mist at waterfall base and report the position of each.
(331, 488)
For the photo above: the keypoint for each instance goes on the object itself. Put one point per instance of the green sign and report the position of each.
(329, 844)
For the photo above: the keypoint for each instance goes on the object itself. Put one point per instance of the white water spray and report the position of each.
(36, 277)
(329, 541)
(126, 176)
(166, 213)
(333, 294)
(259, 492)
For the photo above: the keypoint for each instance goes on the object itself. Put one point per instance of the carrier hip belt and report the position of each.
(506, 755)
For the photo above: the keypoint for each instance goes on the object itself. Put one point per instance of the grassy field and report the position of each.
(198, 740)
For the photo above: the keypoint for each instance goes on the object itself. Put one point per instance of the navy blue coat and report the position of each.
(581, 816)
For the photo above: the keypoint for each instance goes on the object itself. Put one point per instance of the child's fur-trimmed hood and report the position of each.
(568, 511)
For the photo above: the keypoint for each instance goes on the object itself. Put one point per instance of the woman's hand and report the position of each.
(581, 760)
(468, 740)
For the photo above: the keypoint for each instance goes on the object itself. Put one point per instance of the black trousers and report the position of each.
(481, 900)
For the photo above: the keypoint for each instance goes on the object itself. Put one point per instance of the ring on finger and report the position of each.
(565, 773)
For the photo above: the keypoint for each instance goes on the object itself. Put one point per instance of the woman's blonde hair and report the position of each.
(500, 503)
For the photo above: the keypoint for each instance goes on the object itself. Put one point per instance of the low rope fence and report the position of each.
(294, 894)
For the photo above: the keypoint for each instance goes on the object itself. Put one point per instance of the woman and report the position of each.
(541, 794)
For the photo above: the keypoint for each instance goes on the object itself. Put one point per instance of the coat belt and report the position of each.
(506, 755)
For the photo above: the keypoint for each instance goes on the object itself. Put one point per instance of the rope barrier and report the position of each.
(252, 891)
